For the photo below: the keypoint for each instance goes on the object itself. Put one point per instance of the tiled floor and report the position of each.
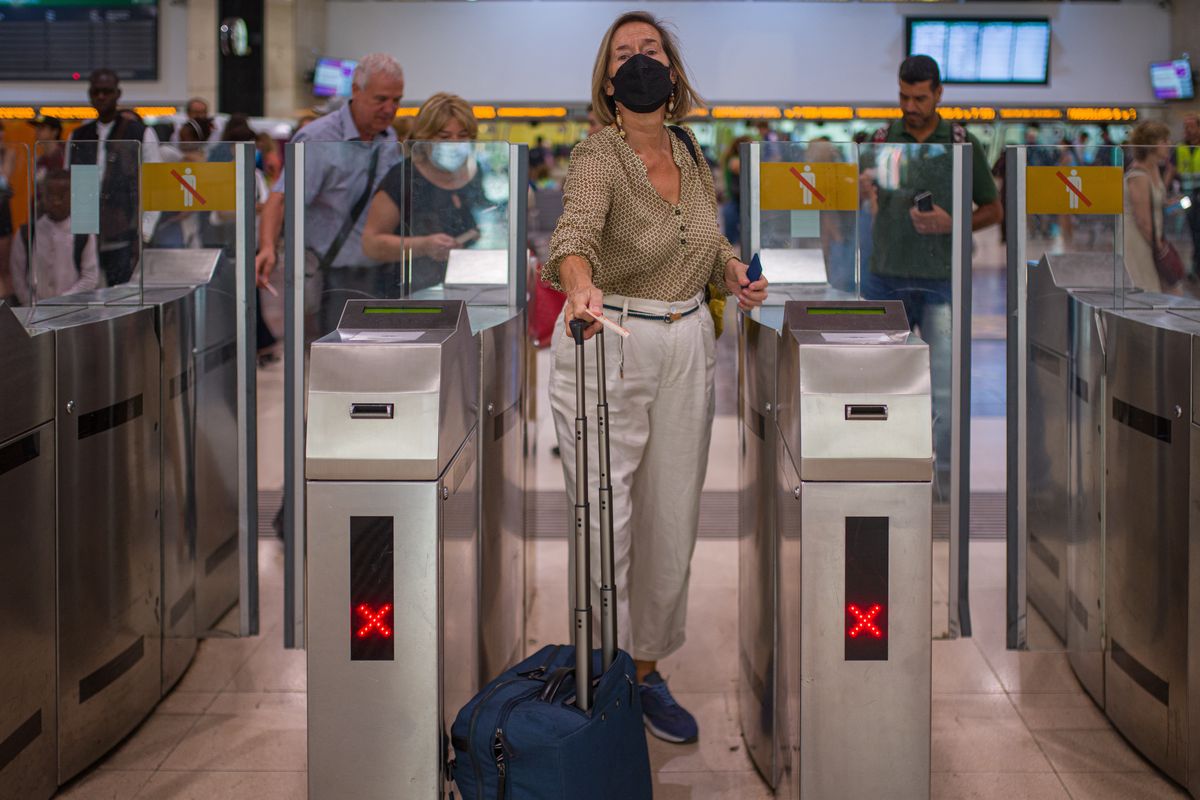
(1005, 725)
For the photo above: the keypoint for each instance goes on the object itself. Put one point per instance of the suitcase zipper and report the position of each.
(475, 720)
(479, 707)
(500, 749)
(501, 764)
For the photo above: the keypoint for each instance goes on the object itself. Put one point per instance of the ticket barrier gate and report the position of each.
(1114, 375)
(1070, 300)
(853, 489)
(500, 339)
(204, 282)
(392, 564)
(28, 716)
(104, 381)
(1065, 401)
(1152, 518)
(193, 296)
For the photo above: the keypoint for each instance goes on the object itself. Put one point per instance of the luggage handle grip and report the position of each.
(577, 327)
(554, 683)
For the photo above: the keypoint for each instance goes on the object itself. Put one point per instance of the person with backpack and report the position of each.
(907, 178)
(638, 241)
(63, 263)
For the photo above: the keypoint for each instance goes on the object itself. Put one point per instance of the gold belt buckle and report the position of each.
(672, 316)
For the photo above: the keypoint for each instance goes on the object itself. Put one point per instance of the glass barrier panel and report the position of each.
(808, 220)
(455, 230)
(916, 248)
(88, 230)
(345, 191)
(1073, 196)
(1068, 221)
(17, 285)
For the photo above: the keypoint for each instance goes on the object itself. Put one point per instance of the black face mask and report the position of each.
(642, 84)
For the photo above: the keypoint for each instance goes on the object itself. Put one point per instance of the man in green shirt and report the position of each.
(911, 251)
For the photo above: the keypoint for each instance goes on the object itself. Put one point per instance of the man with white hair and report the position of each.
(339, 180)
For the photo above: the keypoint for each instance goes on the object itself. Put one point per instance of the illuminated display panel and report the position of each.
(372, 589)
(64, 40)
(866, 606)
(984, 50)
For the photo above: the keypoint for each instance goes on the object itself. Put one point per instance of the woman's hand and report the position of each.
(580, 301)
(749, 295)
(436, 246)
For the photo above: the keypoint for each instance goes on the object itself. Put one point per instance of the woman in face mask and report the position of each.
(439, 186)
(638, 241)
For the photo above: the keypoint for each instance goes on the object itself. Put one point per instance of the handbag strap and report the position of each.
(356, 210)
(681, 134)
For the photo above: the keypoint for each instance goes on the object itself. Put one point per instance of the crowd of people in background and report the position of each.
(1162, 181)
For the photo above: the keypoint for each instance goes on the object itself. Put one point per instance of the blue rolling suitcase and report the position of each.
(565, 724)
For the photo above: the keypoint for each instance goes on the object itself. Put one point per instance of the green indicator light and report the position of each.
(400, 310)
(869, 311)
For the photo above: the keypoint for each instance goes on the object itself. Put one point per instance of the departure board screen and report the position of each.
(64, 40)
(984, 50)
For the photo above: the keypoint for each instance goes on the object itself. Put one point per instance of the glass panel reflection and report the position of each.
(456, 230)
(808, 221)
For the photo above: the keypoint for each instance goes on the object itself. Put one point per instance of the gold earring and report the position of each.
(620, 127)
(671, 103)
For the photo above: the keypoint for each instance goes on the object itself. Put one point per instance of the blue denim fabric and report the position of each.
(928, 304)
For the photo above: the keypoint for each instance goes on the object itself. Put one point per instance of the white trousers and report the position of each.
(661, 402)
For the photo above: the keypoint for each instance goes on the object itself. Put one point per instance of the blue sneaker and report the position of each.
(664, 717)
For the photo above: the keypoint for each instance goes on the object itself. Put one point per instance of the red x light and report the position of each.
(864, 621)
(375, 622)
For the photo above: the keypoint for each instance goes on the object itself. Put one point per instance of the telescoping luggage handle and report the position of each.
(583, 533)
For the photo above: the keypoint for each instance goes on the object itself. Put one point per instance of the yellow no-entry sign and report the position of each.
(1074, 190)
(188, 186)
(808, 186)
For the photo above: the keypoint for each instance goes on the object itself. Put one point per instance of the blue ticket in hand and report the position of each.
(754, 270)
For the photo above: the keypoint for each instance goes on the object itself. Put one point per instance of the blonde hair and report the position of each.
(1149, 132)
(437, 111)
(686, 97)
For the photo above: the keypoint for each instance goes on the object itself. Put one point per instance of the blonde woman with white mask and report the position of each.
(439, 187)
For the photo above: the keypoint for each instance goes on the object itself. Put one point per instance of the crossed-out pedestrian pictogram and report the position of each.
(865, 621)
(374, 620)
(1074, 184)
(808, 183)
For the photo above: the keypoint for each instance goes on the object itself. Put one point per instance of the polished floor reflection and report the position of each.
(1005, 725)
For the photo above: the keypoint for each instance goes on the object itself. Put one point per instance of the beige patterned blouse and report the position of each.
(637, 243)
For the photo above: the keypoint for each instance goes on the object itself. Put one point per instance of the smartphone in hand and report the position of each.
(923, 201)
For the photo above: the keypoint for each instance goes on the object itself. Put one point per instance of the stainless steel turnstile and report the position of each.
(193, 295)
(759, 693)
(393, 546)
(1152, 577)
(500, 337)
(1065, 388)
(854, 505)
(28, 723)
(1114, 373)
(762, 718)
(109, 553)
(211, 548)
